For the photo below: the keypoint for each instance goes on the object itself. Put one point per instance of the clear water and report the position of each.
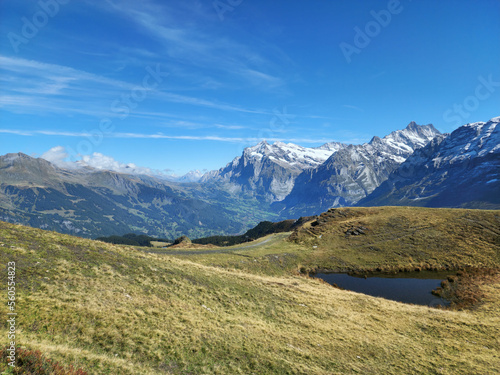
(412, 287)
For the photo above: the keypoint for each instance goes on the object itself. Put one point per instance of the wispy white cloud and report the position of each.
(17, 132)
(54, 72)
(182, 99)
(43, 88)
(195, 44)
(33, 133)
(230, 127)
(260, 78)
(353, 107)
(49, 88)
(103, 162)
(59, 156)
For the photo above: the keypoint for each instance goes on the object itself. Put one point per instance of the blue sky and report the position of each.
(183, 85)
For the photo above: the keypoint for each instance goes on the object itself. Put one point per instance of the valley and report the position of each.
(240, 187)
(415, 166)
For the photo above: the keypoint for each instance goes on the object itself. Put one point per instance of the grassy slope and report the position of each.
(396, 238)
(112, 309)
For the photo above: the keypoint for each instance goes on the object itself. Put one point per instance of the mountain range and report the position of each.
(461, 169)
(269, 171)
(414, 166)
(90, 202)
(353, 172)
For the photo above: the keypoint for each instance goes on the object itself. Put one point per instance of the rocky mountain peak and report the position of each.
(453, 170)
(412, 125)
(270, 170)
(332, 146)
(20, 161)
(15, 158)
(354, 171)
(470, 141)
(375, 140)
(404, 142)
(262, 146)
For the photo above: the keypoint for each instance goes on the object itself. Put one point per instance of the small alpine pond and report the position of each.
(407, 287)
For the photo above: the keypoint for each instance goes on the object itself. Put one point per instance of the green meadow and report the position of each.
(252, 308)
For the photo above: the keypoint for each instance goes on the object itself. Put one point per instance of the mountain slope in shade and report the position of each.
(353, 172)
(269, 171)
(91, 203)
(458, 170)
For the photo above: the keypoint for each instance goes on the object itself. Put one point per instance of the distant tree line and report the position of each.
(131, 239)
(262, 229)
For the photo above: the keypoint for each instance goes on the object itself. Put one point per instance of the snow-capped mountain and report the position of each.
(270, 170)
(353, 172)
(191, 176)
(461, 169)
(413, 166)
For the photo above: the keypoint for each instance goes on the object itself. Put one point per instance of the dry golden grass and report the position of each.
(159, 244)
(116, 310)
(396, 238)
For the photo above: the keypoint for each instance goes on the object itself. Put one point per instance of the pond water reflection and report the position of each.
(408, 287)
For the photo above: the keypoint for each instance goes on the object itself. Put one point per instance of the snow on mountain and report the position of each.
(405, 141)
(191, 176)
(270, 170)
(95, 161)
(470, 141)
(290, 155)
(459, 169)
(353, 172)
(334, 174)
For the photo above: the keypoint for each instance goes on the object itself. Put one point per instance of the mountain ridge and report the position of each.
(353, 172)
(90, 202)
(270, 170)
(453, 170)
(266, 182)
